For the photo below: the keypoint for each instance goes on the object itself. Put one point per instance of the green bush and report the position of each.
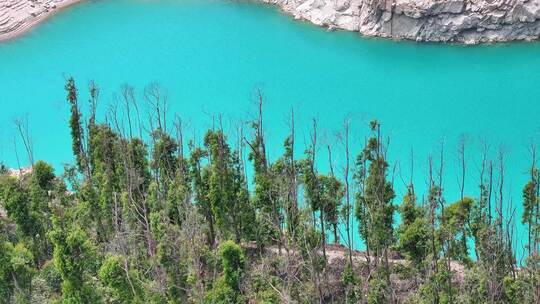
(521, 289)
(378, 292)
(51, 276)
(113, 275)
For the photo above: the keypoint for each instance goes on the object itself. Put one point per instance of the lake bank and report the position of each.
(17, 17)
(456, 21)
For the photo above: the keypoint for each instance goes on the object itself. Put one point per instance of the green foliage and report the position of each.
(6, 284)
(43, 174)
(227, 288)
(16, 272)
(179, 192)
(479, 224)
(379, 291)
(530, 197)
(414, 241)
(114, 275)
(51, 276)
(311, 181)
(242, 212)
(227, 193)
(309, 242)
(75, 124)
(42, 293)
(16, 202)
(22, 262)
(475, 286)
(435, 288)
(409, 209)
(232, 262)
(531, 209)
(142, 223)
(454, 225)
(168, 255)
(263, 278)
(222, 293)
(375, 211)
(164, 160)
(200, 177)
(522, 289)
(350, 282)
(268, 296)
(414, 233)
(105, 183)
(265, 199)
(332, 197)
(3, 168)
(75, 259)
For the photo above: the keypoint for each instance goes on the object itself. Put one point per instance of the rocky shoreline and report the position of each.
(19, 16)
(459, 21)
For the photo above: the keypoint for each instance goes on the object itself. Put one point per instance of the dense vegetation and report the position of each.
(144, 216)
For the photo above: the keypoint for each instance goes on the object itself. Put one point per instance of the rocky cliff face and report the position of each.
(464, 21)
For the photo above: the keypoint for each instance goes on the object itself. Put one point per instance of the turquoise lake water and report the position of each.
(212, 55)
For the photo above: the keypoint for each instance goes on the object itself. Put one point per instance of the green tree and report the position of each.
(531, 209)
(164, 159)
(113, 274)
(3, 168)
(313, 192)
(413, 232)
(221, 193)
(455, 224)
(350, 282)
(375, 210)
(242, 212)
(266, 199)
(179, 193)
(172, 256)
(6, 284)
(75, 124)
(15, 200)
(200, 177)
(332, 198)
(227, 287)
(22, 270)
(76, 259)
(105, 182)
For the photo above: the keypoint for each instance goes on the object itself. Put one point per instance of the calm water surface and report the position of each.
(211, 55)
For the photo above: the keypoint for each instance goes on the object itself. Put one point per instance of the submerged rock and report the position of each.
(464, 21)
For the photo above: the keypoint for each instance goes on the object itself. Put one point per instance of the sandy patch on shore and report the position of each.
(17, 17)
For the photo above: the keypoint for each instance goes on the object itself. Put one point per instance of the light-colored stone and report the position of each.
(463, 21)
(18, 16)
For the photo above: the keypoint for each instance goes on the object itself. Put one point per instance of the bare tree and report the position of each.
(344, 138)
(461, 157)
(128, 99)
(21, 124)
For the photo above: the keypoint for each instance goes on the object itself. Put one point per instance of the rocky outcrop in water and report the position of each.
(464, 21)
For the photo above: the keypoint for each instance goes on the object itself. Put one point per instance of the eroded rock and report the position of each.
(465, 21)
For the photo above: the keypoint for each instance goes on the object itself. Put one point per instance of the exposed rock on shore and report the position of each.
(19, 173)
(17, 16)
(465, 21)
